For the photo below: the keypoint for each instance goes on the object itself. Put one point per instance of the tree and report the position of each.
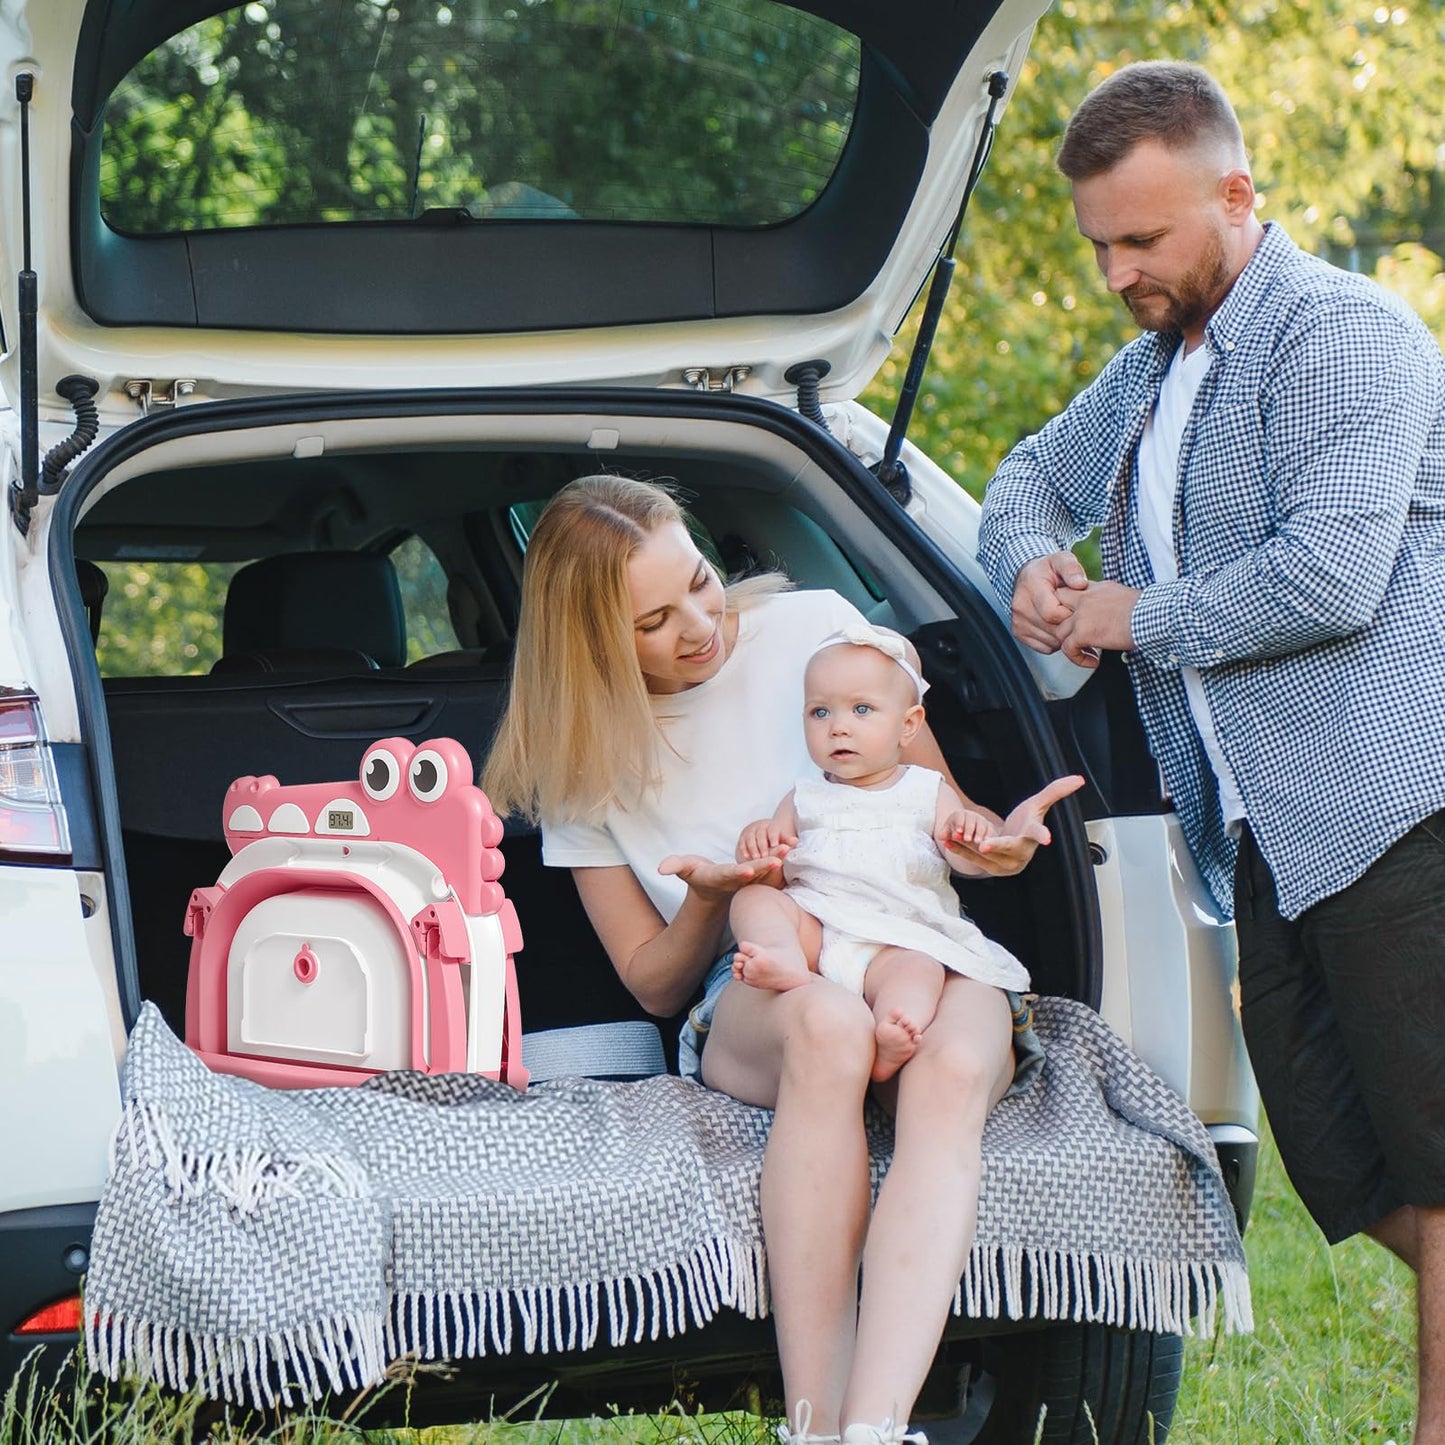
(267, 114)
(1343, 152)
(285, 111)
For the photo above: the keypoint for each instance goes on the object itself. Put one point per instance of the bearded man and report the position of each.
(1267, 462)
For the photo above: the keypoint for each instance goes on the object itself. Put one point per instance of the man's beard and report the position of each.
(1190, 303)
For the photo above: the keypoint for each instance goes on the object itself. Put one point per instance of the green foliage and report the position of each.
(1331, 94)
(285, 111)
(161, 618)
(80, 1409)
(1334, 98)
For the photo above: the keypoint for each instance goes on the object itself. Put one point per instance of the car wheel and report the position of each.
(1092, 1384)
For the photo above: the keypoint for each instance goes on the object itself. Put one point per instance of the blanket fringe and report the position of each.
(280, 1367)
(350, 1352)
(245, 1179)
(1179, 1297)
(461, 1324)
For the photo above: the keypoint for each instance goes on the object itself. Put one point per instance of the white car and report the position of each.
(348, 290)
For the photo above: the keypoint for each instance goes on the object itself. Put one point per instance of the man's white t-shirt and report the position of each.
(1158, 485)
(734, 748)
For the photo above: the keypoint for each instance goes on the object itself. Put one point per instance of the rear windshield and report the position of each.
(286, 112)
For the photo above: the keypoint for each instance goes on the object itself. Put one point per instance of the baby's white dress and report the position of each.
(867, 868)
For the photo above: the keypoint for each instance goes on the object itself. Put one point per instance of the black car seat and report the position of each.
(313, 611)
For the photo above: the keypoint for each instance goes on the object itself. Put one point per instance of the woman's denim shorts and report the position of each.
(1028, 1051)
(699, 1018)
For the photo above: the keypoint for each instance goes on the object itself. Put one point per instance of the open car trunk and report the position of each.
(359, 475)
(342, 474)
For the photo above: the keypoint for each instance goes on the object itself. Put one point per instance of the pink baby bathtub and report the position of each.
(358, 927)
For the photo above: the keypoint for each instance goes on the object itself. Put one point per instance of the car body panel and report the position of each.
(1170, 963)
(58, 1065)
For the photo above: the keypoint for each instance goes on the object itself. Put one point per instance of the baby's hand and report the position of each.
(964, 830)
(764, 839)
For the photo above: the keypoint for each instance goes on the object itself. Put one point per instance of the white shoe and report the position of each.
(887, 1433)
(798, 1432)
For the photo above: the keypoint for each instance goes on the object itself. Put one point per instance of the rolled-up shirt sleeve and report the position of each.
(1052, 489)
(1347, 411)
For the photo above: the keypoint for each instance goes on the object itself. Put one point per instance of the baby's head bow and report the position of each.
(890, 644)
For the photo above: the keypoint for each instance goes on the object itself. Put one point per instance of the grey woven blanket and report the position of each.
(269, 1245)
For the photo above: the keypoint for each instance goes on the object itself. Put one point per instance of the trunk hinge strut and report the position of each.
(889, 469)
(38, 481)
(25, 492)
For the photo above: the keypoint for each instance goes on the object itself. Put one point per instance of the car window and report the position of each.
(162, 619)
(424, 599)
(283, 112)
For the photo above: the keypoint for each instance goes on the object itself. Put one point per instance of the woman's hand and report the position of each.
(1011, 848)
(711, 881)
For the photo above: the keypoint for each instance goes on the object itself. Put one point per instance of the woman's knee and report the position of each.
(829, 1032)
(960, 1070)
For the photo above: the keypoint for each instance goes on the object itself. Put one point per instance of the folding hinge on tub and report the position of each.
(358, 927)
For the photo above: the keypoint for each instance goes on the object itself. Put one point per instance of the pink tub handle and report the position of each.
(306, 964)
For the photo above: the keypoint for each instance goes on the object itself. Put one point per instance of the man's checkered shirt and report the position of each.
(1309, 526)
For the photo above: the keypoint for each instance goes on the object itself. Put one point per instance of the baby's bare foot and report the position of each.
(763, 968)
(896, 1038)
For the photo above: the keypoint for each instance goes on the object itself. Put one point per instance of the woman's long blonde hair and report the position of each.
(579, 731)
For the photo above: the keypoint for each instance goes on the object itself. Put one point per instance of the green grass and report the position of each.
(1331, 1361)
(1332, 1356)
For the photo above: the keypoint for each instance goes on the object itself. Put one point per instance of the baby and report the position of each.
(864, 898)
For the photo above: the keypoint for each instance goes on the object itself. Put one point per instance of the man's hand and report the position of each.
(714, 881)
(1099, 619)
(1010, 849)
(1042, 591)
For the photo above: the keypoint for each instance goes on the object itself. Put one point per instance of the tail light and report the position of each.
(62, 1317)
(32, 816)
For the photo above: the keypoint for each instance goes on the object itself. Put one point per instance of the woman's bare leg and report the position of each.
(807, 1053)
(923, 1224)
(902, 987)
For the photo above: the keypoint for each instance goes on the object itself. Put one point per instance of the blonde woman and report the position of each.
(643, 731)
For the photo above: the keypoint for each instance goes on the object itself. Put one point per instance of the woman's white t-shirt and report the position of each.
(734, 749)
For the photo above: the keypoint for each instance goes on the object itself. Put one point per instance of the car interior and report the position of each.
(310, 660)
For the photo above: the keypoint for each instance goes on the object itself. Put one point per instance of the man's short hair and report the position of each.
(1181, 106)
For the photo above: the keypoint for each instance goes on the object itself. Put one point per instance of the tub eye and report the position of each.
(427, 777)
(380, 774)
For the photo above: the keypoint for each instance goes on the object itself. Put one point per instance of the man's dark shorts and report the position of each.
(1344, 1015)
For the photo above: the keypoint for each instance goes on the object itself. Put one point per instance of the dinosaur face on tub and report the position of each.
(420, 795)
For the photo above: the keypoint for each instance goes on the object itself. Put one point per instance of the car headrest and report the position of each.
(94, 584)
(318, 661)
(310, 601)
(493, 660)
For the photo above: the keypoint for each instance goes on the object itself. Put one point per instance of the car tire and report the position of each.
(1094, 1384)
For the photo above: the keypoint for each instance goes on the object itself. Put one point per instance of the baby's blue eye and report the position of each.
(819, 712)
(862, 709)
